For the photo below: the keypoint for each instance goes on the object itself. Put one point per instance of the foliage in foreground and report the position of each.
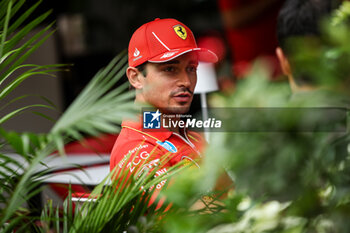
(291, 173)
(98, 109)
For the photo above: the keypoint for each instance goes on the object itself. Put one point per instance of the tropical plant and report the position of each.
(14, 185)
(98, 109)
(293, 179)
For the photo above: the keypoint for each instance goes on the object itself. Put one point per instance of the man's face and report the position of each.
(169, 86)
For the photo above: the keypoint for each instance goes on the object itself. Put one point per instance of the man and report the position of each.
(163, 57)
(299, 19)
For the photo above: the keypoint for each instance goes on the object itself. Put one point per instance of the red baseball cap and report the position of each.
(162, 40)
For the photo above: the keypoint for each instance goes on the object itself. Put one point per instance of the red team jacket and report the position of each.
(135, 149)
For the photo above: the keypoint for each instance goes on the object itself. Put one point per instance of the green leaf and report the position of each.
(26, 52)
(19, 111)
(15, 25)
(18, 36)
(8, 54)
(95, 109)
(4, 32)
(9, 88)
(15, 8)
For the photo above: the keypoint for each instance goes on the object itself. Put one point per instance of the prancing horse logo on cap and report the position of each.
(180, 31)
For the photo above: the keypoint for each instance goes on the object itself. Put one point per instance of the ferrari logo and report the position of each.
(180, 31)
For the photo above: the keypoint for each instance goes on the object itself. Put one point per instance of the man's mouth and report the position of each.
(183, 97)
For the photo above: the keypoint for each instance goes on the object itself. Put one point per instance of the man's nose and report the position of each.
(184, 79)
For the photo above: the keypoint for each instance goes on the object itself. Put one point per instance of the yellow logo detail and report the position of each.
(180, 31)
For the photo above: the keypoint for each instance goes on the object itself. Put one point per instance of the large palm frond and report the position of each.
(123, 204)
(14, 50)
(98, 109)
(128, 203)
(17, 184)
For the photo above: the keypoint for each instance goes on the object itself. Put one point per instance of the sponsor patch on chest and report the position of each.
(168, 146)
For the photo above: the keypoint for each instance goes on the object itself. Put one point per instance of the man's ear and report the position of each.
(135, 77)
(284, 63)
(286, 69)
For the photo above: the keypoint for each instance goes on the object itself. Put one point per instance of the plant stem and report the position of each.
(3, 38)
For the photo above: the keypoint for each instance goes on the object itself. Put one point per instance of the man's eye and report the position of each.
(192, 69)
(169, 69)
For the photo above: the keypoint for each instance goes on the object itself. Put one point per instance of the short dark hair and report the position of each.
(300, 18)
(142, 68)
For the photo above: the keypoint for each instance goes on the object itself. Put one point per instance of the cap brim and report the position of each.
(204, 55)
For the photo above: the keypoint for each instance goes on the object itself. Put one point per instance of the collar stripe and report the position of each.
(139, 131)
